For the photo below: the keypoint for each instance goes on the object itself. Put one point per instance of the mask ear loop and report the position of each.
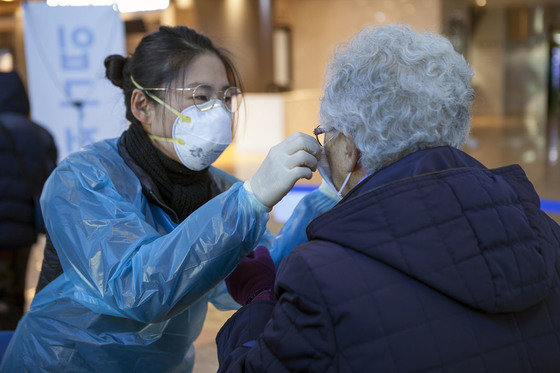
(339, 193)
(177, 141)
(184, 118)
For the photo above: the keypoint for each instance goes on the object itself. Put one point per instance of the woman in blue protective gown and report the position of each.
(145, 228)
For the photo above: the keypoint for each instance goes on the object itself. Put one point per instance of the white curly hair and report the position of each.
(395, 91)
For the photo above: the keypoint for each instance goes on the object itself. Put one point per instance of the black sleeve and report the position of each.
(51, 157)
(51, 267)
(296, 334)
(48, 164)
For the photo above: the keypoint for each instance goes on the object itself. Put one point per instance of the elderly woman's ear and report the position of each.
(344, 159)
(347, 156)
(352, 155)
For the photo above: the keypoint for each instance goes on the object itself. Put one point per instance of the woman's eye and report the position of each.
(201, 98)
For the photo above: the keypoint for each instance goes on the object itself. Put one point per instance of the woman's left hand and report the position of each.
(253, 278)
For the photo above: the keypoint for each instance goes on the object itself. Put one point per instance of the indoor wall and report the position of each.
(317, 26)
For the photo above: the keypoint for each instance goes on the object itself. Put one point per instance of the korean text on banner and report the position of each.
(65, 48)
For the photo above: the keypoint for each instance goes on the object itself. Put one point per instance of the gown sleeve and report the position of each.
(122, 266)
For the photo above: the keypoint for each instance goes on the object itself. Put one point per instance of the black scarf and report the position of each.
(182, 189)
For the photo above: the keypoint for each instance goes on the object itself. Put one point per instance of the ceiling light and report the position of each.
(128, 6)
(184, 4)
(124, 6)
(79, 2)
(380, 17)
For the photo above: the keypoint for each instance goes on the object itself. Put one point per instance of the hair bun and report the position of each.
(114, 65)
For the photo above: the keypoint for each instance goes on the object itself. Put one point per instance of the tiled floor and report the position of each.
(494, 143)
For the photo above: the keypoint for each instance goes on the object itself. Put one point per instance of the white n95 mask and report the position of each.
(199, 135)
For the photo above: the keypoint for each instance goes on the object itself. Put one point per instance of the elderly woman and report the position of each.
(431, 261)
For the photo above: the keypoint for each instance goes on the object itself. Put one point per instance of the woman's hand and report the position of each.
(253, 278)
(292, 159)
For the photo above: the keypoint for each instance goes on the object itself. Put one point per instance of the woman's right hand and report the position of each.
(294, 158)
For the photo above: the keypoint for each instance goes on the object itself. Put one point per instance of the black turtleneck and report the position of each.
(182, 189)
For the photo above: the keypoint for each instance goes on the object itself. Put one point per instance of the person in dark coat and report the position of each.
(431, 262)
(28, 156)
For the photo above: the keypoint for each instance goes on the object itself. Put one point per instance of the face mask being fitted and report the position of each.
(199, 136)
(325, 170)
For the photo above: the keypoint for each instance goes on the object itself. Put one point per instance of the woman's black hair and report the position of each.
(160, 58)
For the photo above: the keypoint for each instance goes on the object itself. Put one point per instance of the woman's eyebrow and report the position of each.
(194, 84)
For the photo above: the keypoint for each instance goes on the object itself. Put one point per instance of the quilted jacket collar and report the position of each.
(442, 218)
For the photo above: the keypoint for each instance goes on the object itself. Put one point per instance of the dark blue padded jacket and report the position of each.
(19, 217)
(433, 264)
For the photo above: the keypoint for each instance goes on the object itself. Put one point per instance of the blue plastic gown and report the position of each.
(135, 287)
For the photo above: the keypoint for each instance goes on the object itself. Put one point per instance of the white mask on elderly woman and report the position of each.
(325, 170)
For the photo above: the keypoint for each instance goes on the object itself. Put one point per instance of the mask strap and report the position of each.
(184, 118)
(339, 193)
(166, 139)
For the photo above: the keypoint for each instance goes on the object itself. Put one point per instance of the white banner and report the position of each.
(69, 94)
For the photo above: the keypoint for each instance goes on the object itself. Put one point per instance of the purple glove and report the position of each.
(254, 277)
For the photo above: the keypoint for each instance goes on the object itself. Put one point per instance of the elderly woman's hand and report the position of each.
(254, 277)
